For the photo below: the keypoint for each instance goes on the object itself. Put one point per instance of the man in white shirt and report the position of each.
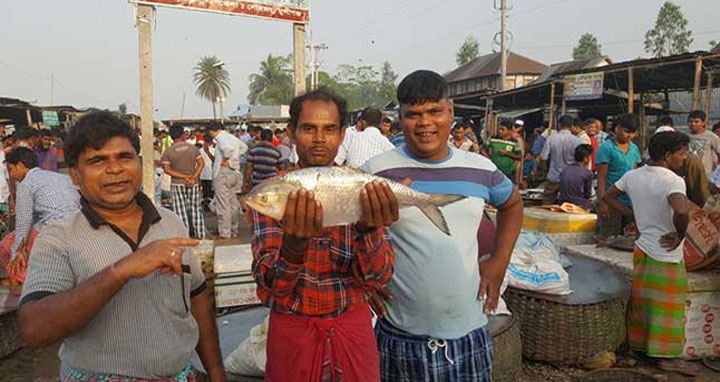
(341, 155)
(228, 150)
(660, 208)
(369, 141)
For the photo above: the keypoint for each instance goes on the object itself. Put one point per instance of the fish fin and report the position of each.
(442, 200)
(431, 209)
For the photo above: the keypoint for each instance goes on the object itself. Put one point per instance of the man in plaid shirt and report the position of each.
(316, 280)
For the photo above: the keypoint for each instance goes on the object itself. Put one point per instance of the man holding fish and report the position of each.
(314, 267)
(435, 328)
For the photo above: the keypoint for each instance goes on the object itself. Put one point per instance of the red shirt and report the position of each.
(595, 145)
(340, 266)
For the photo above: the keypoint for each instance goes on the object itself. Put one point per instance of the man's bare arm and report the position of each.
(208, 347)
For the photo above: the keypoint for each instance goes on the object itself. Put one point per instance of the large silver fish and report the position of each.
(338, 190)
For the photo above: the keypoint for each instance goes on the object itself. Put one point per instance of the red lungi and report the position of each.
(304, 349)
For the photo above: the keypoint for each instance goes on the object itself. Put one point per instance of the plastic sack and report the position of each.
(502, 308)
(536, 266)
(700, 248)
(250, 356)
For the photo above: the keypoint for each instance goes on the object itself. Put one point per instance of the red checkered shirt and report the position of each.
(340, 266)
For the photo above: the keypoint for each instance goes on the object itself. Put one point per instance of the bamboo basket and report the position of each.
(555, 332)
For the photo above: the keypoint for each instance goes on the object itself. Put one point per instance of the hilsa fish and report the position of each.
(338, 191)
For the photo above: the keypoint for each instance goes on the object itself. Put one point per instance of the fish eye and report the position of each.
(264, 198)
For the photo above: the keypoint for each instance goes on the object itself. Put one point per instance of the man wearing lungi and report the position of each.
(316, 280)
(436, 328)
(660, 208)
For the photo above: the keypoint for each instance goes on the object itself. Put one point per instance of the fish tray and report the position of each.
(505, 332)
(569, 329)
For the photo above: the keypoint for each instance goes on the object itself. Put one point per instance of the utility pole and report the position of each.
(144, 21)
(315, 57)
(182, 108)
(52, 88)
(503, 44)
(299, 44)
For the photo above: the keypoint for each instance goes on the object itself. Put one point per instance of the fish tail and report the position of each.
(431, 209)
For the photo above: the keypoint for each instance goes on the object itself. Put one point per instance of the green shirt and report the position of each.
(504, 163)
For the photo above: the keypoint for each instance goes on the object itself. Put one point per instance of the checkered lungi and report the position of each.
(405, 357)
(186, 203)
(71, 374)
(656, 311)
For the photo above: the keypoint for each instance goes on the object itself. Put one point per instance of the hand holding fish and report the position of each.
(301, 222)
(379, 206)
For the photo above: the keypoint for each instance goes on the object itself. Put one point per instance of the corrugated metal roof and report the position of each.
(557, 69)
(489, 64)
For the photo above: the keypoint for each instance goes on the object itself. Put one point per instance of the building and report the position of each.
(267, 116)
(482, 74)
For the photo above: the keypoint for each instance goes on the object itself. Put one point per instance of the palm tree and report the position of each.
(212, 80)
(274, 84)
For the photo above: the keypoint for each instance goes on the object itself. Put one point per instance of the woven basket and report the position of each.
(508, 351)
(616, 375)
(555, 332)
(10, 339)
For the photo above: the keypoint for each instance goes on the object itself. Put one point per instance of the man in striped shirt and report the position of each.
(263, 161)
(436, 327)
(105, 280)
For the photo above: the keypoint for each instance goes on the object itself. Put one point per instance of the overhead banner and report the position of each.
(583, 87)
(297, 11)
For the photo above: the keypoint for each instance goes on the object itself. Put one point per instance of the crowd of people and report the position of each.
(107, 262)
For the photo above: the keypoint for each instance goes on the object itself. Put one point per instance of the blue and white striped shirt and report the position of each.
(436, 277)
(42, 197)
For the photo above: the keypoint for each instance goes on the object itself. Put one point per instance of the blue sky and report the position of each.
(91, 45)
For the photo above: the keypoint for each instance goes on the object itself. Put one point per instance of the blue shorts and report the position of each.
(405, 357)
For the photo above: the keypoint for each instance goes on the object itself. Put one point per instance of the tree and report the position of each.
(587, 48)
(388, 78)
(670, 35)
(274, 84)
(211, 79)
(122, 108)
(468, 50)
(713, 44)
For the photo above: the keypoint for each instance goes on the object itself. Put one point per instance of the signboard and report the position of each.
(297, 11)
(582, 87)
(50, 118)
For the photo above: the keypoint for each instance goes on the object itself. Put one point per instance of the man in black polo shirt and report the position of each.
(115, 281)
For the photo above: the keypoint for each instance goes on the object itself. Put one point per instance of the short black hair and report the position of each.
(504, 122)
(321, 94)
(387, 120)
(46, 133)
(716, 126)
(215, 126)
(176, 132)
(95, 129)
(23, 134)
(420, 87)
(577, 122)
(254, 129)
(697, 114)
(628, 122)
(590, 121)
(279, 131)
(666, 142)
(582, 152)
(565, 121)
(266, 135)
(666, 120)
(372, 116)
(395, 127)
(24, 155)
